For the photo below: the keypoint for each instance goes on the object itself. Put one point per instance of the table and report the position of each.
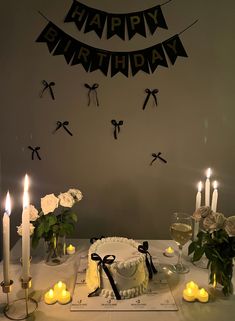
(45, 276)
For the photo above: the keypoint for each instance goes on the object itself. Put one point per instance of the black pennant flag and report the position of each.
(156, 57)
(119, 63)
(154, 18)
(139, 61)
(51, 35)
(100, 60)
(95, 21)
(174, 48)
(67, 47)
(116, 25)
(83, 55)
(78, 14)
(135, 24)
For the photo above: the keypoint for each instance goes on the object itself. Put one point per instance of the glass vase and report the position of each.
(55, 250)
(220, 277)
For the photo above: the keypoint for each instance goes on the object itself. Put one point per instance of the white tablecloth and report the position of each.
(44, 276)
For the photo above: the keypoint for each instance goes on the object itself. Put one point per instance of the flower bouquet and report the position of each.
(216, 240)
(55, 221)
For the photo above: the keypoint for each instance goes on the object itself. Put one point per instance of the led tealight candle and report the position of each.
(202, 295)
(189, 295)
(70, 249)
(50, 297)
(6, 240)
(169, 251)
(207, 187)
(214, 197)
(64, 297)
(59, 287)
(25, 232)
(193, 286)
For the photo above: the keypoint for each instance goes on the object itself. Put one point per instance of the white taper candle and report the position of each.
(207, 187)
(6, 240)
(214, 197)
(25, 232)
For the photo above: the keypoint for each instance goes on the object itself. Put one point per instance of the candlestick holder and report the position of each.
(16, 310)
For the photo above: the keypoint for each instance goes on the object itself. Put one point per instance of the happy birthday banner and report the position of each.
(94, 20)
(76, 52)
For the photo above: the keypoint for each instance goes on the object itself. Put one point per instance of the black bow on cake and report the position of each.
(107, 259)
(35, 151)
(156, 156)
(92, 88)
(143, 248)
(48, 86)
(64, 125)
(116, 127)
(149, 93)
(94, 239)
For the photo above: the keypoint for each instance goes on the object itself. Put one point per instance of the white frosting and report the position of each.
(128, 270)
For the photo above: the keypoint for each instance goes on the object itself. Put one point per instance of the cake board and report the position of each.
(157, 298)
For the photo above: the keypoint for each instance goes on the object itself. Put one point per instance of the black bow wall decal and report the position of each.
(63, 125)
(150, 266)
(94, 239)
(157, 156)
(48, 86)
(116, 127)
(92, 88)
(149, 93)
(35, 151)
(108, 259)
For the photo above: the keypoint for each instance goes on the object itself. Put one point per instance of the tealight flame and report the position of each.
(8, 204)
(51, 293)
(202, 291)
(169, 250)
(59, 284)
(199, 186)
(214, 281)
(64, 292)
(190, 291)
(215, 184)
(208, 173)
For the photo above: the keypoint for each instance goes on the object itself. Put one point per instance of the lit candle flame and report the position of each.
(59, 284)
(215, 184)
(8, 204)
(64, 292)
(199, 186)
(190, 291)
(208, 173)
(51, 293)
(202, 291)
(26, 192)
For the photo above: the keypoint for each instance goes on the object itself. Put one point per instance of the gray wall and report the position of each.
(192, 125)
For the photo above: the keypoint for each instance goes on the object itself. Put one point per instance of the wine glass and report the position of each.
(181, 233)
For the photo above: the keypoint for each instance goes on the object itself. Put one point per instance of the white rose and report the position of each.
(230, 226)
(201, 212)
(66, 199)
(33, 213)
(49, 203)
(214, 221)
(75, 193)
(31, 229)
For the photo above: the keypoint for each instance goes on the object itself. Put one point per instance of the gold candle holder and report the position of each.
(15, 310)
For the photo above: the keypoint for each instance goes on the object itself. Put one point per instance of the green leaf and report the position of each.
(198, 253)
(191, 248)
(35, 241)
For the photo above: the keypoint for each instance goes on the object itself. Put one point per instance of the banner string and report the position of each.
(188, 27)
(164, 3)
(43, 16)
